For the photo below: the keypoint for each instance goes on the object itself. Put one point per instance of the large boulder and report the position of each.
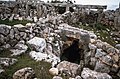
(38, 56)
(25, 73)
(89, 74)
(106, 60)
(68, 68)
(37, 43)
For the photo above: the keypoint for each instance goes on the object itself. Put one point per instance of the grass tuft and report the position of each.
(41, 68)
(14, 22)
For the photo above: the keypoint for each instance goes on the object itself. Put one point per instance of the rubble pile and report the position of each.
(46, 41)
(51, 38)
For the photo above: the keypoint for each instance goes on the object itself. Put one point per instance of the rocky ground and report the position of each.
(35, 51)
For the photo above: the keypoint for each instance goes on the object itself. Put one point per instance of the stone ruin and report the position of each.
(35, 9)
(73, 52)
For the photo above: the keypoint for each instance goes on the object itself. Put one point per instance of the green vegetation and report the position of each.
(103, 32)
(5, 53)
(41, 68)
(14, 22)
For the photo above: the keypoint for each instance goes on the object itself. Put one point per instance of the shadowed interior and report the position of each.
(72, 53)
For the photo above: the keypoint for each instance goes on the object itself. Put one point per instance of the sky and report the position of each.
(112, 4)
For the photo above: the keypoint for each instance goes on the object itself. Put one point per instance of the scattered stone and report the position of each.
(19, 26)
(35, 19)
(2, 39)
(118, 46)
(7, 61)
(37, 43)
(6, 46)
(118, 74)
(38, 56)
(100, 53)
(112, 50)
(4, 29)
(19, 49)
(101, 67)
(57, 77)
(2, 70)
(25, 73)
(11, 18)
(53, 71)
(78, 77)
(68, 68)
(89, 74)
(11, 34)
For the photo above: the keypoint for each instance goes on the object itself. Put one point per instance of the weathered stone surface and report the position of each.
(25, 73)
(78, 77)
(37, 43)
(35, 19)
(7, 61)
(13, 42)
(4, 29)
(6, 46)
(93, 61)
(55, 29)
(2, 39)
(112, 50)
(17, 37)
(16, 31)
(38, 56)
(2, 70)
(68, 68)
(92, 48)
(102, 67)
(51, 58)
(57, 77)
(99, 44)
(118, 46)
(25, 36)
(100, 53)
(84, 37)
(11, 34)
(19, 26)
(89, 74)
(19, 49)
(11, 18)
(22, 34)
(53, 71)
(118, 74)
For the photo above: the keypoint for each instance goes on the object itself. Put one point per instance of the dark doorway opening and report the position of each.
(62, 10)
(71, 53)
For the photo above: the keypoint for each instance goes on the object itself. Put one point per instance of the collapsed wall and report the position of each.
(97, 55)
(55, 33)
